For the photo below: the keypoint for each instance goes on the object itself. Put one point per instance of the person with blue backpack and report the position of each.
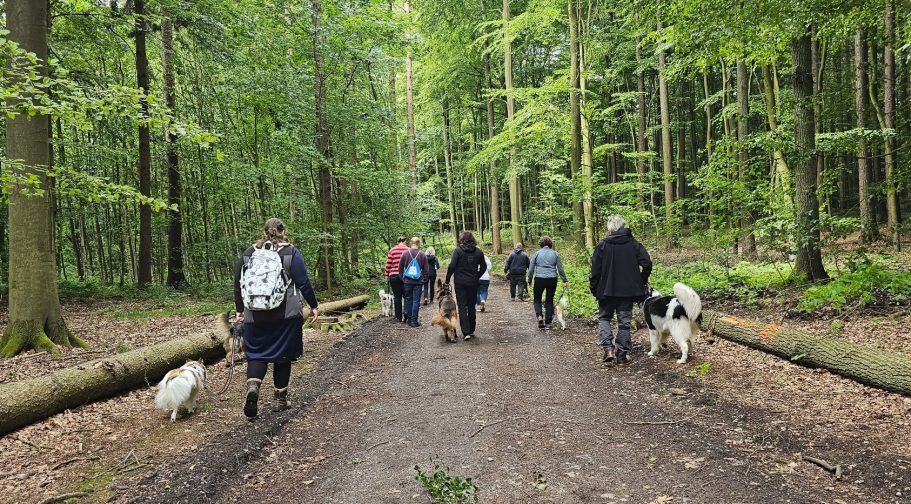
(413, 270)
(270, 286)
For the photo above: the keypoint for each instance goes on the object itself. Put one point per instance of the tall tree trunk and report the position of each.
(35, 318)
(492, 176)
(809, 258)
(326, 263)
(447, 158)
(892, 207)
(575, 117)
(409, 103)
(515, 191)
(641, 167)
(781, 166)
(145, 153)
(176, 277)
(868, 230)
(666, 149)
(587, 157)
(747, 238)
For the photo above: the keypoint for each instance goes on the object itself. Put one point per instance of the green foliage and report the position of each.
(868, 285)
(446, 489)
(744, 281)
(699, 371)
(173, 311)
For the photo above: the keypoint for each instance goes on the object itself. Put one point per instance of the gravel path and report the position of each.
(530, 416)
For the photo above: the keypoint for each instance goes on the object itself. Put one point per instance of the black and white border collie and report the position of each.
(677, 316)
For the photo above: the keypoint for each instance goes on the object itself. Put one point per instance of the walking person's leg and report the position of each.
(425, 291)
(523, 288)
(409, 302)
(624, 321)
(281, 376)
(470, 311)
(464, 301)
(483, 289)
(431, 286)
(513, 283)
(550, 288)
(538, 292)
(605, 334)
(416, 304)
(398, 293)
(256, 371)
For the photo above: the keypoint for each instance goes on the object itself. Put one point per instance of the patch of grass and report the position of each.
(98, 482)
(867, 285)
(122, 347)
(172, 311)
(446, 489)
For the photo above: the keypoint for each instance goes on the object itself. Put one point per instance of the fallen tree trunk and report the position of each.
(28, 401)
(340, 305)
(883, 369)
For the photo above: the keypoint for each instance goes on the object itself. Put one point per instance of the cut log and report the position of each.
(28, 401)
(883, 369)
(340, 305)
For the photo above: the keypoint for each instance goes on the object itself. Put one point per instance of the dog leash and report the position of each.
(237, 330)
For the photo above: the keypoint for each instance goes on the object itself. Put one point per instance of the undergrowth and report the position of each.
(446, 489)
(866, 286)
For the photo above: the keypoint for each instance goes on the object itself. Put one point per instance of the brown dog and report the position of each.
(234, 341)
(448, 318)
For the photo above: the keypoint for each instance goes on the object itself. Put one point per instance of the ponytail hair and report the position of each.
(273, 231)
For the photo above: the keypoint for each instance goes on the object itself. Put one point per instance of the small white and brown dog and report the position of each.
(677, 316)
(386, 303)
(560, 311)
(179, 388)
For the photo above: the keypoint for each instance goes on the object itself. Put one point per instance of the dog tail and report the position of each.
(382, 294)
(174, 390)
(689, 300)
(438, 320)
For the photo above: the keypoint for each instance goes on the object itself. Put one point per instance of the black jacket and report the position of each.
(517, 263)
(467, 265)
(616, 267)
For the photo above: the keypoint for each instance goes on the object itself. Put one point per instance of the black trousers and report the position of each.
(281, 372)
(466, 295)
(397, 286)
(546, 288)
(429, 288)
(517, 286)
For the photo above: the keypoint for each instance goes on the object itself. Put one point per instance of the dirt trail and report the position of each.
(531, 416)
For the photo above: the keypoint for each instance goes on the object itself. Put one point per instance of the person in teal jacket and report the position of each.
(545, 267)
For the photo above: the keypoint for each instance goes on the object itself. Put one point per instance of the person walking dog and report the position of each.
(271, 310)
(433, 265)
(392, 277)
(413, 273)
(467, 265)
(516, 267)
(620, 269)
(546, 266)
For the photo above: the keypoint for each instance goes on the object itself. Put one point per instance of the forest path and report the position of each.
(531, 416)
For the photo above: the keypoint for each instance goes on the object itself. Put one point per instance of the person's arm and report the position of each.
(560, 270)
(531, 267)
(238, 298)
(594, 275)
(482, 266)
(302, 281)
(452, 265)
(645, 262)
(508, 262)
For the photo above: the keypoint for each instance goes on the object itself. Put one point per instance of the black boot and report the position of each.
(251, 405)
(280, 400)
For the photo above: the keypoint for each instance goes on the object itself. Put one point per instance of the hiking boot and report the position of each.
(280, 400)
(251, 404)
(540, 322)
(624, 360)
(608, 355)
(482, 306)
(467, 337)
(548, 327)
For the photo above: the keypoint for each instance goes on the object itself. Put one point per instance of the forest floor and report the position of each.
(530, 416)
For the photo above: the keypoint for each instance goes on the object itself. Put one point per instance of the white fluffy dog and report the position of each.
(676, 316)
(386, 302)
(180, 387)
(560, 311)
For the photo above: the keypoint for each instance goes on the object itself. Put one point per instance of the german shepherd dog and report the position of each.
(448, 318)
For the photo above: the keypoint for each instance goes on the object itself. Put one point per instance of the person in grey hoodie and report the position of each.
(546, 266)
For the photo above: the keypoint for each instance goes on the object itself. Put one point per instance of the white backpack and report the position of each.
(264, 281)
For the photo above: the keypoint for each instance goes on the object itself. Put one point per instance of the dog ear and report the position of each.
(439, 284)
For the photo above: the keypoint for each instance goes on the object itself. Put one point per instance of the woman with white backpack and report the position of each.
(270, 286)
